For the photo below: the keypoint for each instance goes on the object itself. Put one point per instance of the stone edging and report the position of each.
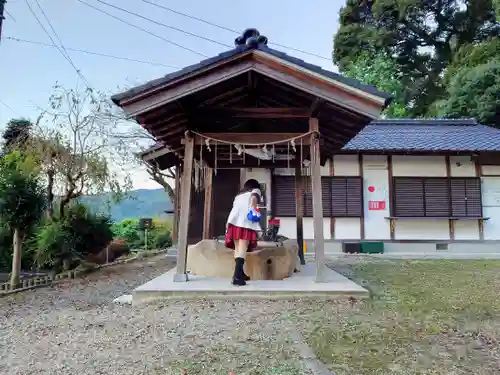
(38, 282)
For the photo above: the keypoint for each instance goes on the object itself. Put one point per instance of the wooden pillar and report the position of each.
(362, 218)
(392, 222)
(299, 210)
(207, 206)
(186, 186)
(177, 198)
(451, 223)
(319, 239)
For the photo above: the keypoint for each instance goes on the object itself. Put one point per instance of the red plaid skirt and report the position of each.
(238, 233)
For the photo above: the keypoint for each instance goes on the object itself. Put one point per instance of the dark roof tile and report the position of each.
(240, 50)
(425, 135)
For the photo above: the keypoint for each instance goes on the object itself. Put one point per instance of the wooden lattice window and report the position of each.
(437, 197)
(341, 196)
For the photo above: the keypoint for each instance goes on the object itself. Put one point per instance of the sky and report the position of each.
(28, 71)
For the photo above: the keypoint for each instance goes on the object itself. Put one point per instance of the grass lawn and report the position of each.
(426, 317)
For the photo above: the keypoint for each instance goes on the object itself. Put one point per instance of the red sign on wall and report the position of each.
(376, 205)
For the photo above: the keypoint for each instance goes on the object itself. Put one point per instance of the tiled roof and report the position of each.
(241, 50)
(425, 135)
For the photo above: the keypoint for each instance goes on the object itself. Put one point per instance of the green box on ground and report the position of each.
(372, 247)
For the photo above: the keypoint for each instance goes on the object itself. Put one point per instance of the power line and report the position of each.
(229, 29)
(90, 52)
(163, 24)
(8, 106)
(143, 30)
(192, 17)
(53, 30)
(10, 15)
(55, 45)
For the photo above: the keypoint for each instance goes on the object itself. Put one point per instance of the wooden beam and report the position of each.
(299, 210)
(480, 223)
(177, 198)
(160, 96)
(332, 219)
(224, 95)
(234, 112)
(362, 218)
(207, 208)
(319, 239)
(316, 107)
(319, 89)
(451, 223)
(392, 223)
(186, 186)
(260, 138)
(156, 153)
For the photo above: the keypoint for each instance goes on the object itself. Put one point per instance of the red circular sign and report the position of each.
(371, 189)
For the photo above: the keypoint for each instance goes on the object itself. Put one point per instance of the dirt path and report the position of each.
(76, 328)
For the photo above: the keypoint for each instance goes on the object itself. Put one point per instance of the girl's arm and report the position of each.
(255, 198)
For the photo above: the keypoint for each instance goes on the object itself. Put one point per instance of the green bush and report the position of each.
(5, 248)
(52, 245)
(64, 242)
(128, 230)
(160, 236)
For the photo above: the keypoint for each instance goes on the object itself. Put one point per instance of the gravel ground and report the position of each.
(76, 328)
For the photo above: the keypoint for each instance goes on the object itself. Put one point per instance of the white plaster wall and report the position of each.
(462, 166)
(416, 165)
(466, 230)
(422, 230)
(375, 173)
(346, 165)
(288, 227)
(347, 228)
(325, 170)
(490, 170)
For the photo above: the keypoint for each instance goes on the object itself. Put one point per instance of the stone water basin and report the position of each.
(270, 261)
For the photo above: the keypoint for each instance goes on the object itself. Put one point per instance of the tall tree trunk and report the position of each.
(15, 276)
(64, 202)
(50, 193)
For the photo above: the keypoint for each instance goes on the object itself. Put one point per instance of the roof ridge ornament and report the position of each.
(251, 38)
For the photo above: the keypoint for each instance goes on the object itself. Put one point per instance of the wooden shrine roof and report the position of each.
(256, 90)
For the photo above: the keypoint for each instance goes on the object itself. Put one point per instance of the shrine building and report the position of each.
(253, 112)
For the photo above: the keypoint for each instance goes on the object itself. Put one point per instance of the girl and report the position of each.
(242, 227)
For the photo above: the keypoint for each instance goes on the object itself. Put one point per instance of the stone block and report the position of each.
(270, 261)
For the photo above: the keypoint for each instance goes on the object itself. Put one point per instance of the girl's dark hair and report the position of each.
(250, 185)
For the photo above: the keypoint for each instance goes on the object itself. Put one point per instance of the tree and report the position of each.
(162, 178)
(422, 36)
(138, 139)
(474, 92)
(382, 72)
(85, 158)
(17, 133)
(472, 55)
(22, 201)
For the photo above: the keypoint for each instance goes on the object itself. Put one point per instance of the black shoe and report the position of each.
(245, 276)
(238, 277)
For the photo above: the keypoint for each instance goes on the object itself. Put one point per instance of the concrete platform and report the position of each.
(300, 286)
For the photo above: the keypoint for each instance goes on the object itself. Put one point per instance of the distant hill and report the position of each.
(142, 203)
